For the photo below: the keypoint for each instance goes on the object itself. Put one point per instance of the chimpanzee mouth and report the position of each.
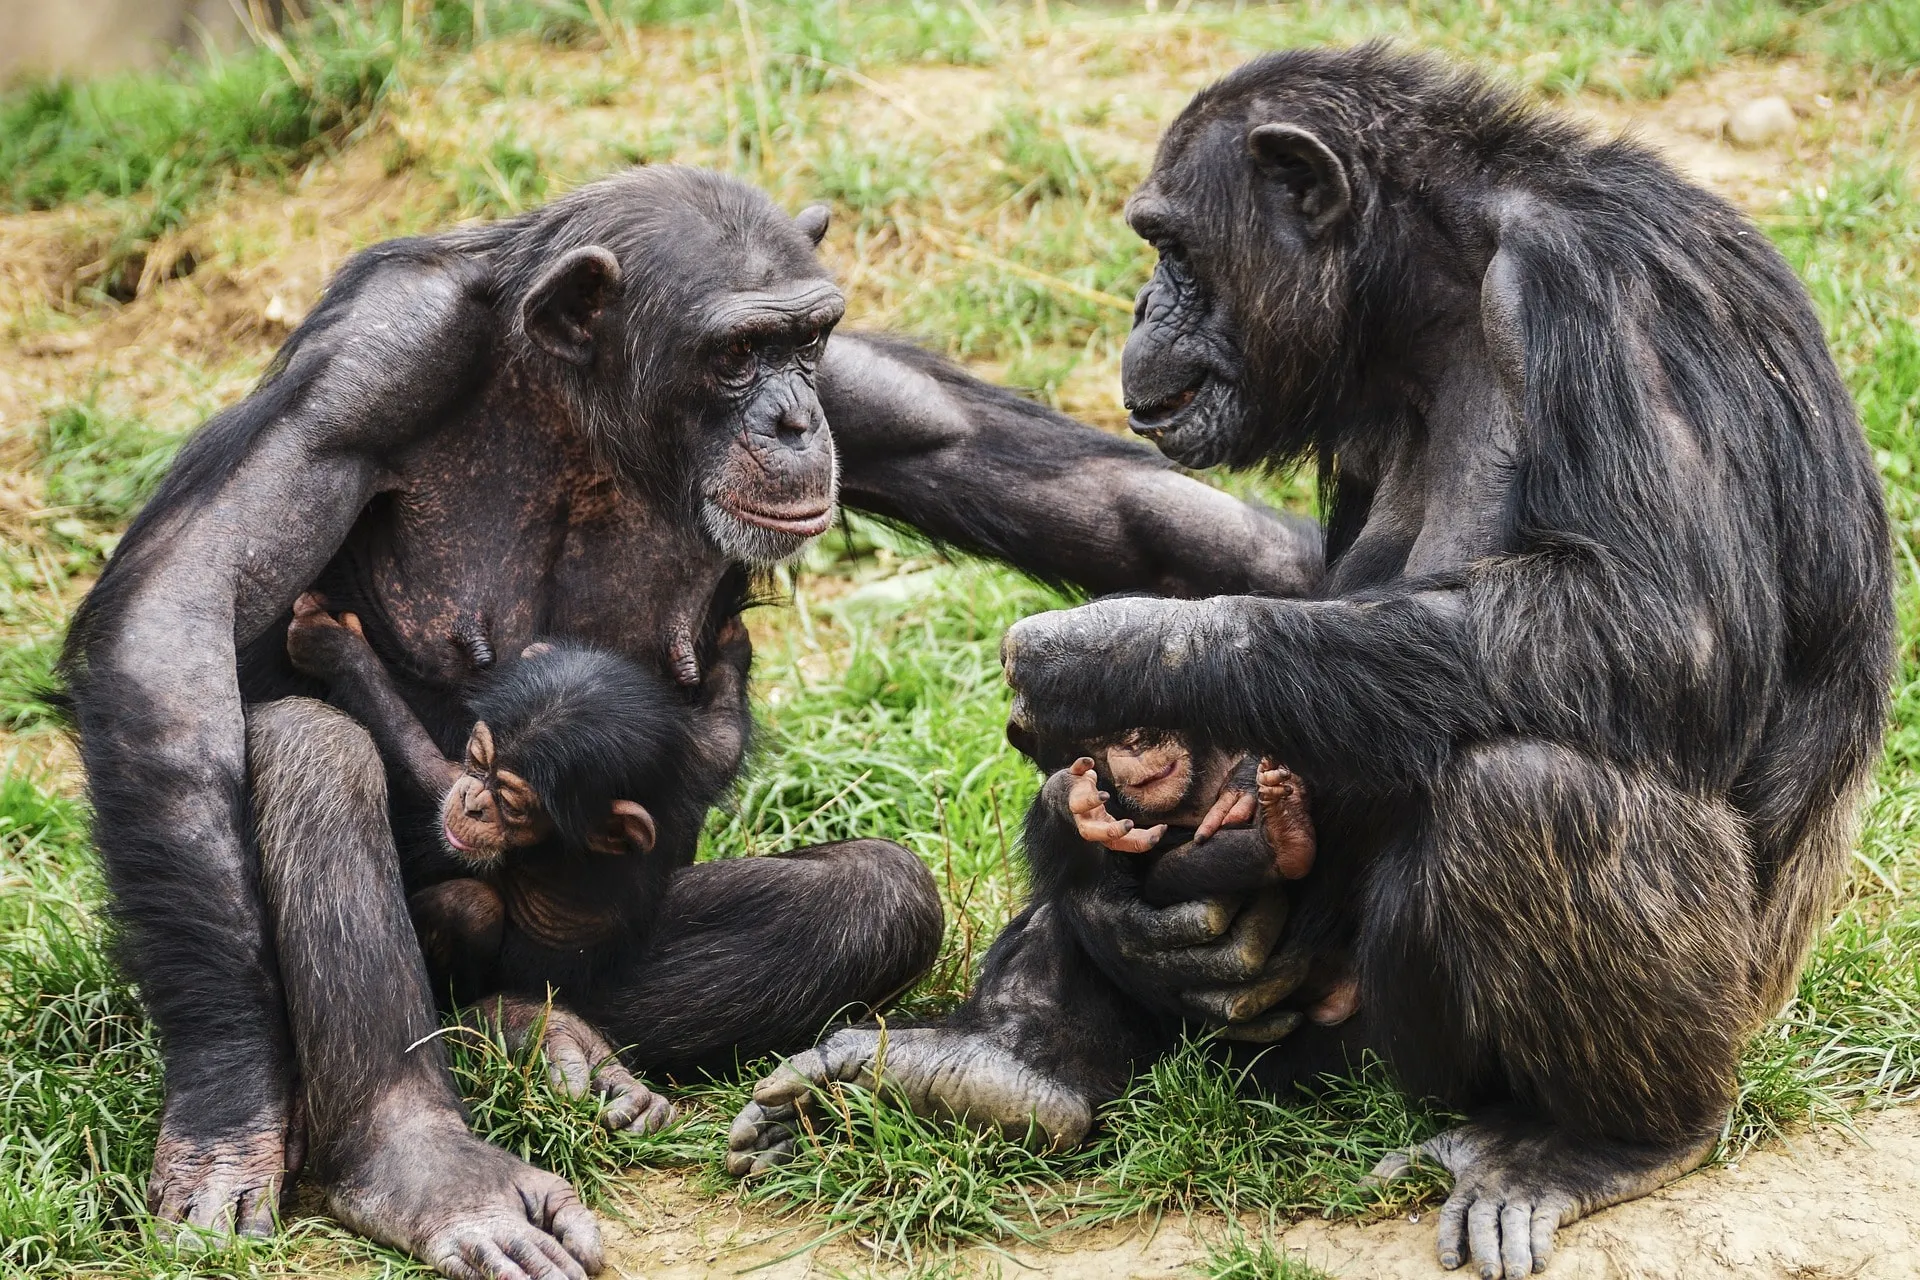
(466, 852)
(1156, 419)
(796, 522)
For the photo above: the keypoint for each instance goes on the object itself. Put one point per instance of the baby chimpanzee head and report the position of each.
(1156, 775)
(564, 740)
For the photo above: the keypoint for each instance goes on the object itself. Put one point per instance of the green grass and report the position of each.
(881, 698)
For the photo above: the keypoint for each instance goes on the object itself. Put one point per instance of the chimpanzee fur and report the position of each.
(1587, 698)
(584, 421)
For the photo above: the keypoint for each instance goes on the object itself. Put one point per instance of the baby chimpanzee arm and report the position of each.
(333, 649)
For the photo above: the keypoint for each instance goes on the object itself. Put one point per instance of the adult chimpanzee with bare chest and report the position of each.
(1599, 668)
(584, 422)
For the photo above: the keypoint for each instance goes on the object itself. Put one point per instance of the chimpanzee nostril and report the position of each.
(792, 426)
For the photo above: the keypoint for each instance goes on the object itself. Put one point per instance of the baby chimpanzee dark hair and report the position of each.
(584, 728)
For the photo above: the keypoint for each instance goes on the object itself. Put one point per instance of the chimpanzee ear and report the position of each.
(535, 649)
(1298, 158)
(565, 303)
(630, 830)
(812, 222)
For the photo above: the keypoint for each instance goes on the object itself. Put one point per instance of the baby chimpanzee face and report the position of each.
(491, 809)
(1153, 773)
(1161, 778)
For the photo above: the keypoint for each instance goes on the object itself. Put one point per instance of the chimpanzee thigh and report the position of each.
(1571, 934)
(357, 995)
(751, 956)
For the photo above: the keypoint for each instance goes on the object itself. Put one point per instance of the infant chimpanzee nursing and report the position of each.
(581, 787)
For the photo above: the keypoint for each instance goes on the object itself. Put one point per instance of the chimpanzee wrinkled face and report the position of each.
(769, 474)
(1246, 303)
(689, 328)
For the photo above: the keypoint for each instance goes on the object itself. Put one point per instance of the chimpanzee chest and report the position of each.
(489, 543)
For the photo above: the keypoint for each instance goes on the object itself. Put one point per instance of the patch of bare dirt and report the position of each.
(1826, 1205)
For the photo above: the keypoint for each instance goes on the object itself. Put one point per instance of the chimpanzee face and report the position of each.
(689, 340)
(490, 810)
(1231, 329)
(766, 473)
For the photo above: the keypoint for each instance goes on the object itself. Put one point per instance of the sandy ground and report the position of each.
(1826, 1204)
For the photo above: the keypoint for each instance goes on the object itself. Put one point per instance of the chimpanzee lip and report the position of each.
(1157, 418)
(803, 522)
(455, 840)
(1166, 771)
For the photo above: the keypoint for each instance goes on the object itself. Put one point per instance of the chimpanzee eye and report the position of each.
(812, 344)
(736, 359)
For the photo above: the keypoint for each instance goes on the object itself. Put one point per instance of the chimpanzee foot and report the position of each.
(470, 1210)
(935, 1072)
(1516, 1182)
(216, 1188)
(580, 1061)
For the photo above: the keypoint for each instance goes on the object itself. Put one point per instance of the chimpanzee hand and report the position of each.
(1212, 960)
(1056, 662)
(579, 1061)
(1088, 805)
(319, 644)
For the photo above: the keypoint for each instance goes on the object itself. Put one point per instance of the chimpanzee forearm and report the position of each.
(1056, 855)
(364, 689)
(978, 467)
(1373, 692)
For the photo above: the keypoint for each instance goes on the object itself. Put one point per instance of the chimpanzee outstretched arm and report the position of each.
(978, 467)
(1369, 690)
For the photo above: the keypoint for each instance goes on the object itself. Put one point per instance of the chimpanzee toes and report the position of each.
(218, 1188)
(760, 1137)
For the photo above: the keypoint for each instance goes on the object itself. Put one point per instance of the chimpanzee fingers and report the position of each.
(567, 1068)
(487, 1259)
(1230, 808)
(1245, 1000)
(1268, 1029)
(309, 603)
(769, 1158)
(793, 1081)
(540, 1260)
(254, 1215)
(1392, 1167)
(1148, 932)
(658, 1115)
(1242, 955)
(1548, 1217)
(1136, 840)
(352, 623)
(1451, 1226)
(571, 1224)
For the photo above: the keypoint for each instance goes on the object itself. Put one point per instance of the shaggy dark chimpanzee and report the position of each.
(1599, 668)
(589, 421)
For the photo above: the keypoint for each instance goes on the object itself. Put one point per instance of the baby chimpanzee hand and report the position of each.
(319, 644)
(1088, 804)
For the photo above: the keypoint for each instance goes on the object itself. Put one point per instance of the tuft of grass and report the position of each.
(1237, 1255)
(514, 1104)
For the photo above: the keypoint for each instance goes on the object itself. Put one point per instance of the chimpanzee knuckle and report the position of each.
(793, 1079)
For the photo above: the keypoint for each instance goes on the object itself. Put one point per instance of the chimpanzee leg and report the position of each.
(751, 956)
(386, 1134)
(1577, 939)
(1043, 1040)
